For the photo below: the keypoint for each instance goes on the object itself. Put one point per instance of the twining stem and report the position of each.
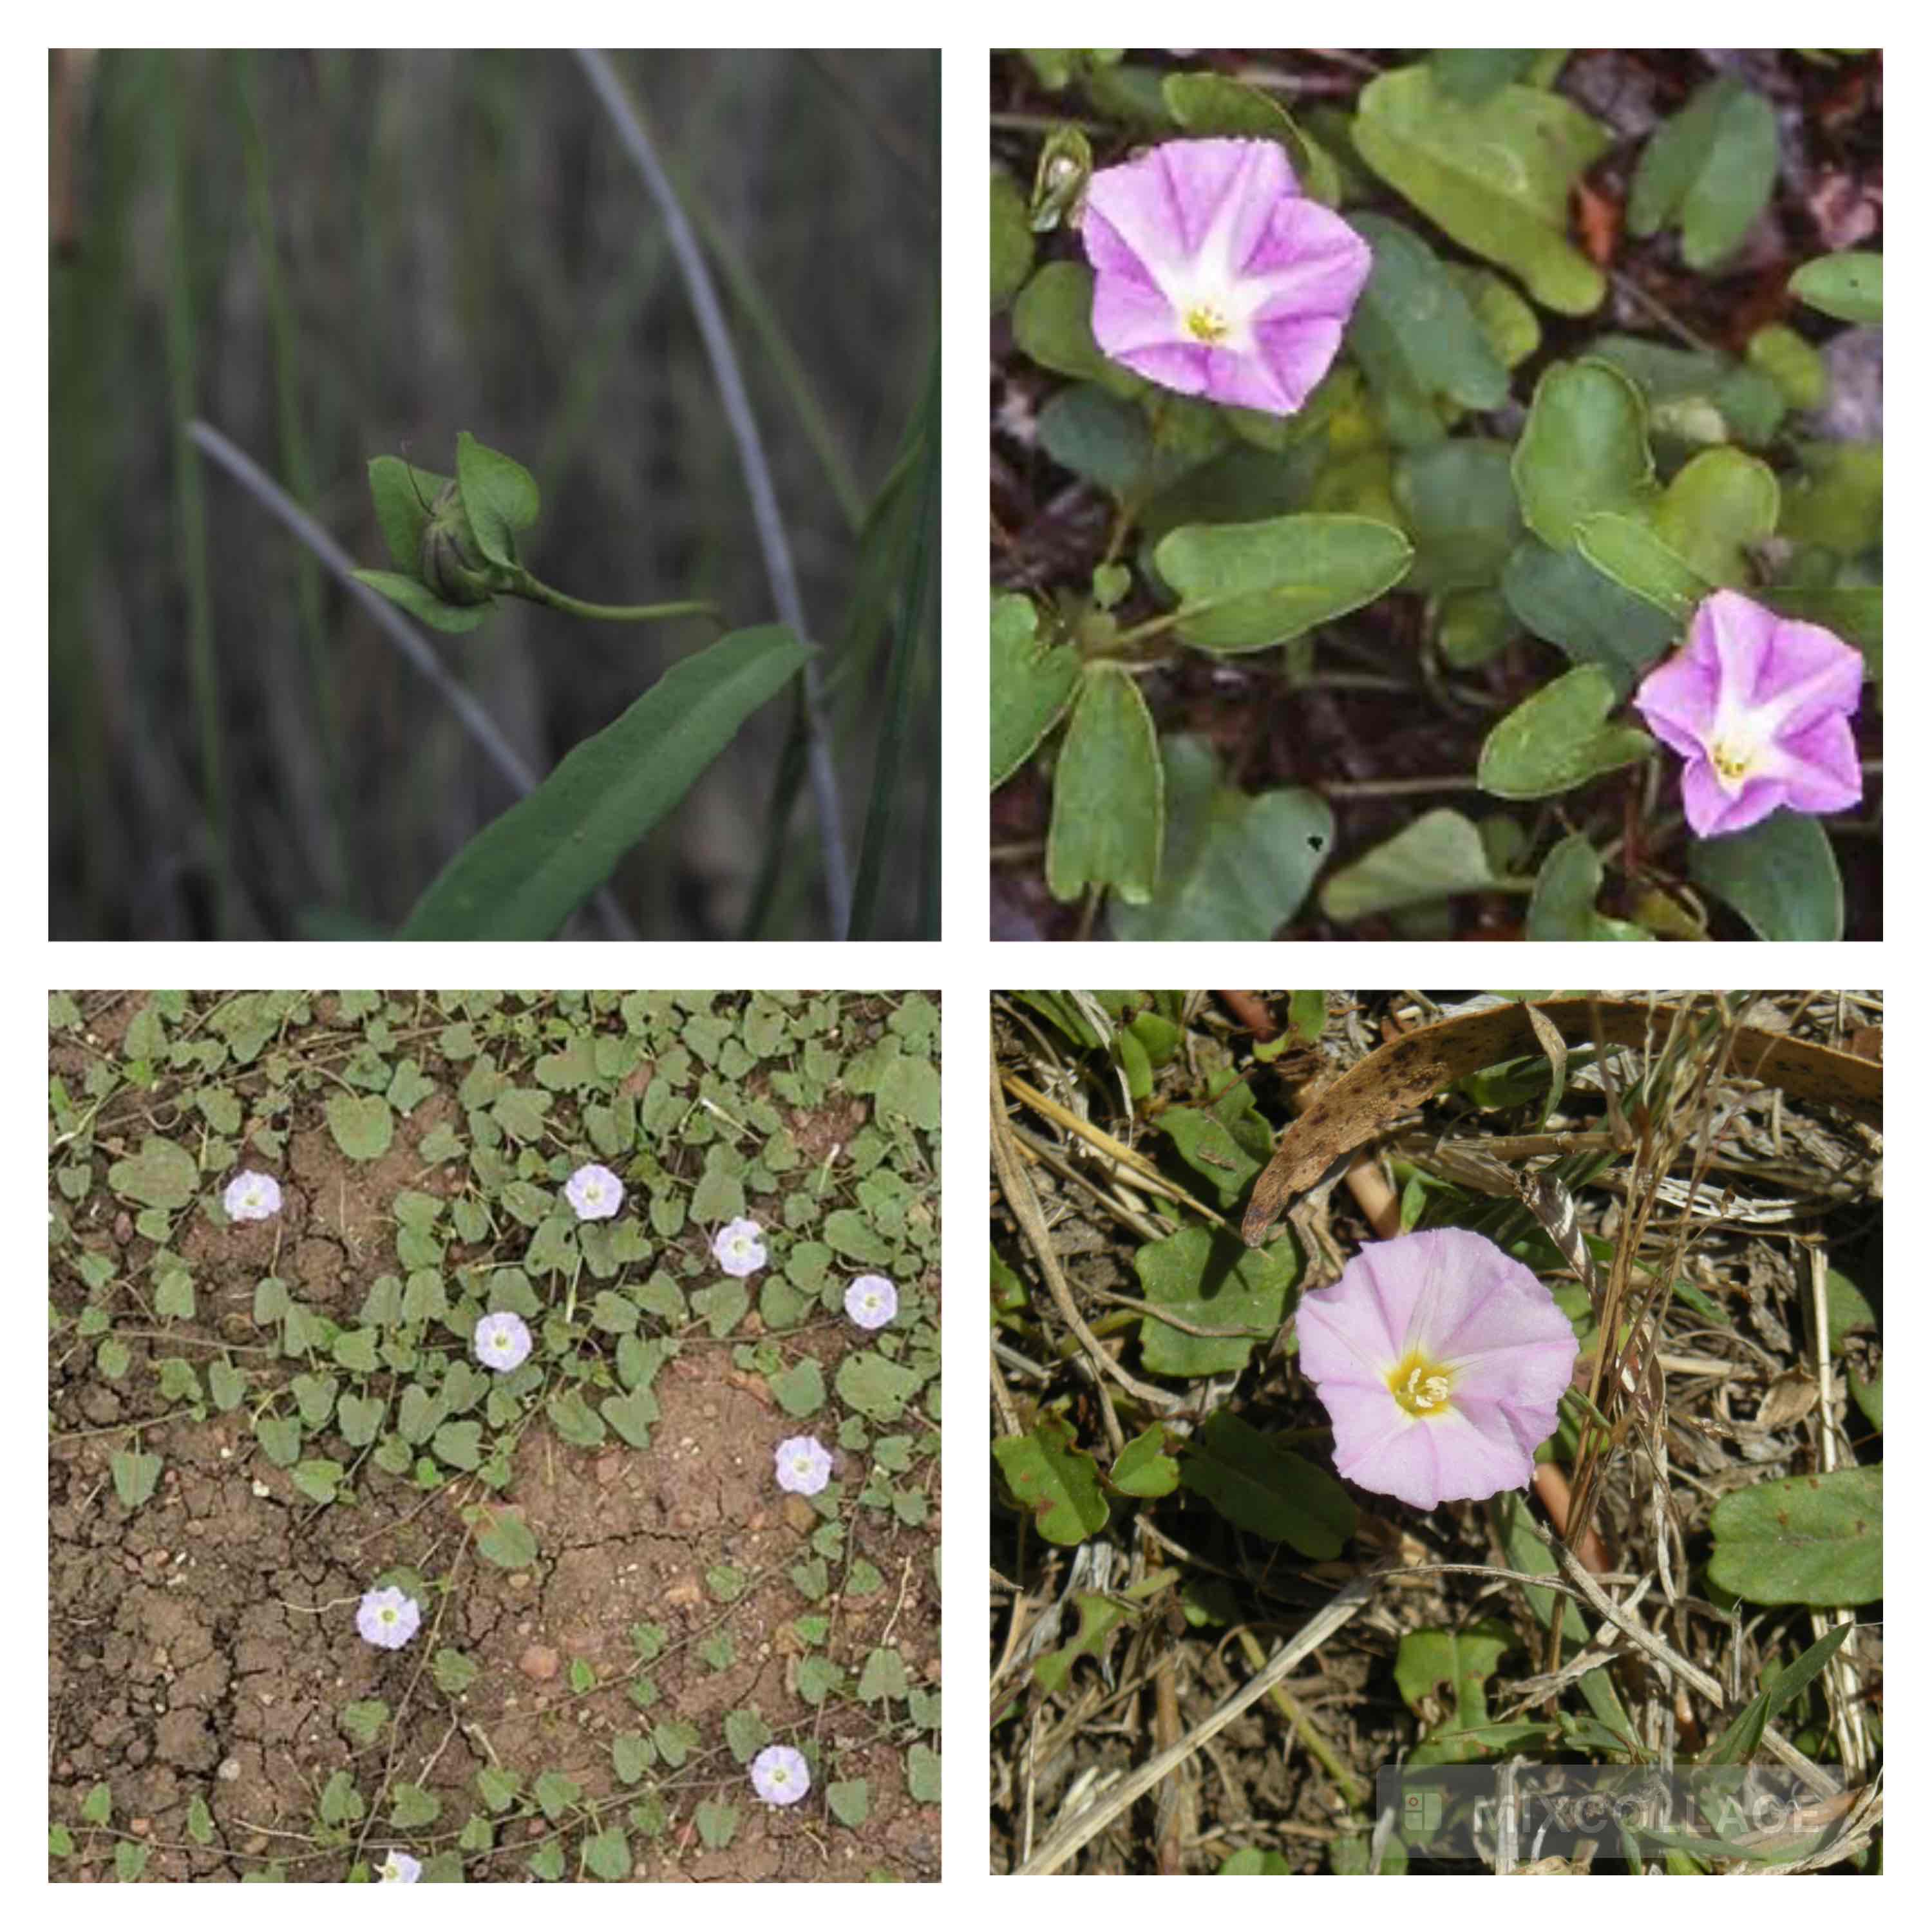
(528, 586)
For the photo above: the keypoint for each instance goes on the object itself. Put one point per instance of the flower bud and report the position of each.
(451, 564)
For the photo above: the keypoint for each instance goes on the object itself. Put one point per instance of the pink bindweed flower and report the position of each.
(502, 1341)
(1214, 274)
(1758, 707)
(399, 1868)
(595, 1191)
(872, 1301)
(804, 1465)
(251, 1196)
(737, 1249)
(1440, 1361)
(780, 1775)
(388, 1618)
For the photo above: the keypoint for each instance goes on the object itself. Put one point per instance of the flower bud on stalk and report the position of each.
(451, 564)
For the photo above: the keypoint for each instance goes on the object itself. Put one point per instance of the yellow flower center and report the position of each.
(1730, 763)
(1205, 323)
(1421, 1386)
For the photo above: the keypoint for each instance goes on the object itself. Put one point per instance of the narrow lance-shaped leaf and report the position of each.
(524, 875)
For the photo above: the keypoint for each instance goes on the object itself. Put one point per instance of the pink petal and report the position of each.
(1824, 775)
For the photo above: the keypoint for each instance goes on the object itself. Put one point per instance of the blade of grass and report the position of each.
(771, 539)
(190, 506)
(475, 722)
(893, 727)
(259, 198)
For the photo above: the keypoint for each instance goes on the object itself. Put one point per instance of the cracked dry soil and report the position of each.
(204, 1644)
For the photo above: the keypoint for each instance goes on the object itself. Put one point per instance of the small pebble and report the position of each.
(538, 1663)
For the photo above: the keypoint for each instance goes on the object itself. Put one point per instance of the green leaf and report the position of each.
(1237, 866)
(1440, 855)
(1054, 1479)
(1459, 500)
(361, 1124)
(1816, 1540)
(526, 872)
(97, 1806)
(403, 495)
(454, 1672)
(161, 1175)
(1106, 827)
(340, 1802)
(908, 1091)
(1086, 429)
(1210, 1280)
(1719, 507)
(555, 1793)
(174, 1297)
(878, 1389)
(200, 1820)
(135, 1474)
(1781, 876)
(364, 1720)
(1838, 502)
(1494, 175)
(411, 1808)
(506, 1541)
(1053, 323)
(800, 1389)
(497, 1789)
(631, 1415)
(1144, 1468)
(717, 1823)
(1244, 586)
(130, 1860)
(459, 1444)
(850, 1800)
(1266, 1490)
(1012, 239)
(1632, 555)
(422, 603)
(1564, 905)
(1034, 682)
(317, 1479)
(500, 496)
(226, 1385)
(607, 1854)
(1848, 285)
(632, 1754)
(1416, 338)
(1709, 167)
(1591, 619)
(1585, 448)
(1556, 739)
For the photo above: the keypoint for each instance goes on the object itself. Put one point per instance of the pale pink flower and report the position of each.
(595, 1192)
(1758, 707)
(738, 1249)
(872, 1301)
(1440, 1361)
(251, 1196)
(1214, 274)
(804, 1465)
(780, 1775)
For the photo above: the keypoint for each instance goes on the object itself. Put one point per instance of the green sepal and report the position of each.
(422, 603)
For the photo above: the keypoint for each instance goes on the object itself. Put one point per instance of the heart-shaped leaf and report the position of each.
(1816, 1540)
(1557, 738)
(1585, 448)
(403, 495)
(362, 1124)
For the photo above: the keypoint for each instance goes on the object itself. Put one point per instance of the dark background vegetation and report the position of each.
(330, 255)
